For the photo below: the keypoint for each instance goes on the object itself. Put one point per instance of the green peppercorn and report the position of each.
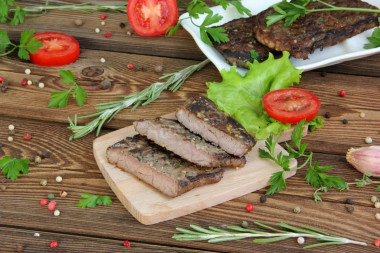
(43, 182)
(244, 224)
(37, 159)
(51, 196)
(297, 209)
(374, 199)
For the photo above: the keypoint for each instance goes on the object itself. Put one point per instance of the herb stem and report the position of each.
(108, 110)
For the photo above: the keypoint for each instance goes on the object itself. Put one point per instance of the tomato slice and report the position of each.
(152, 17)
(291, 105)
(58, 49)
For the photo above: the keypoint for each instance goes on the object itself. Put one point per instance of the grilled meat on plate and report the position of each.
(315, 30)
(176, 138)
(202, 117)
(158, 167)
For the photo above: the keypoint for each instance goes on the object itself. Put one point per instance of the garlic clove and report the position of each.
(365, 159)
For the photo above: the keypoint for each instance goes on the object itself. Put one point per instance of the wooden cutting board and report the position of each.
(149, 206)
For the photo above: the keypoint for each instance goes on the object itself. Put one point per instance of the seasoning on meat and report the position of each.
(158, 167)
(176, 138)
(315, 30)
(202, 117)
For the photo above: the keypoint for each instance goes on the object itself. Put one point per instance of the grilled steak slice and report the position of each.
(315, 30)
(202, 117)
(242, 40)
(158, 167)
(176, 138)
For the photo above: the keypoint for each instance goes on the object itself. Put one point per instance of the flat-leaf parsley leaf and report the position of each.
(12, 167)
(91, 201)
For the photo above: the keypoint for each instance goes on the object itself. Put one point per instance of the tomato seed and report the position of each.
(249, 207)
(107, 35)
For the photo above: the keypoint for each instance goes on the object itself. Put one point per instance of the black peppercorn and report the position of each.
(349, 201)
(327, 115)
(122, 25)
(350, 208)
(263, 199)
(345, 121)
(45, 154)
(1, 144)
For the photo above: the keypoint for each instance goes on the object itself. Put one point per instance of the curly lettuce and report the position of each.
(241, 96)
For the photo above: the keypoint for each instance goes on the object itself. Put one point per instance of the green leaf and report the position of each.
(277, 183)
(67, 77)
(197, 7)
(204, 36)
(211, 19)
(4, 40)
(12, 167)
(173, 29)
(374, 39)
(18, 16)
(254, 55)
(240, 8)
(59, 98)
(91, 201)
(80, 95)
(28, 44)
(297, 133)
(241, 96)
(218, 34)
(377, 188)
(315, 123)
(318, 179)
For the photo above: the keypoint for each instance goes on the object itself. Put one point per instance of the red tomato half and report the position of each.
(152, 17)
(58, 49)
(291, 105)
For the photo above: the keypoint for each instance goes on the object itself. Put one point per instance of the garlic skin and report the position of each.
(365, 159)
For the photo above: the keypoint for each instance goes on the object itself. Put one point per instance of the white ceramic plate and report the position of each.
(349, 49)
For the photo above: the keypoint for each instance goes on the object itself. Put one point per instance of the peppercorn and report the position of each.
(19, 248)
(78, 22)
(45, 154)
(129, 33)
(58, 179)
(106, 84)
(377, 216)
(130, 66)
(158, 68)
(24, 82)
(51, 196)
(377, 242)
(377, 204)
(297, 209)
(43, 182)
(27, 136)
(263, 199)
(43, 202)
(349, 201)
(103, 17)
(350, 208)
(249, 207)
(37, 159)
(244, 224)
(122, 25)
(345, 121)
(327, 115)
(362, 114)
(11, 127)
(368, 140)
(51, 205)
(28, 71)
(300, 240)
(63, 194)
(57, 213)
(107, 35)
(1, 144)
(1, 79)
(374, 199)
(53, 244)
(144, 68)
(342, 93)
(126, 243)
(3, 187)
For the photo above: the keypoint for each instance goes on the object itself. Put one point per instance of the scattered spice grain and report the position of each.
(374, 199)
(244, 224)
(350, 208)
(377, 242)
(342, 93)
(377, 204)
(122, 25)
(43, 182)
(78, 22)
(297, 209)
(362, 115)
(45, 154)
(300, 240)
(345, 121)
(327, 115)
(368, 140)
(126, 244)
(53, 244)
(377, 216)
(58, 179)
(51, 196)
(263, 198)
(107, 34)
(349, 201)
(249, 207)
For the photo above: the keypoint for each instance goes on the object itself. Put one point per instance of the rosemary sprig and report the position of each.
(106, 111)
(364, 181)
(213, 235)
(294, 9)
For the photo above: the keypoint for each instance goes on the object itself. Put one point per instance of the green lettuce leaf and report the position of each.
(241, 96)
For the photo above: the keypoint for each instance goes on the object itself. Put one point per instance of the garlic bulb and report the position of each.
(365, 160)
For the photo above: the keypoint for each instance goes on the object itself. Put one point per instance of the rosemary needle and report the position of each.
(108, 110)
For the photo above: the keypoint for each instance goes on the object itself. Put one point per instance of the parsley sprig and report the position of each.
(290, 11)
(91, 201)
(198, 7)
(27, 45)
(12, 167)
(60, 98)
(315, 175)
(374, 39)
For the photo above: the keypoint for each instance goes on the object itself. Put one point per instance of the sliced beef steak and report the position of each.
(202, 117)
(176, 138)
(315, 30)
(158, 167)
(237, 51)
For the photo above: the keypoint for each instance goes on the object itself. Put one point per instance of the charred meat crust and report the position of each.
(314, 30)
(201, 116)
(176, 138)
(158, 167)
(237, 51)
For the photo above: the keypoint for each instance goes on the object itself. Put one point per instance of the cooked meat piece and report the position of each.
(315, 30)
(173, 136)
(202, 117)
(158, 167)
(242, 40)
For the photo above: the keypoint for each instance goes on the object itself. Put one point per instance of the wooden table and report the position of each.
(104, 229)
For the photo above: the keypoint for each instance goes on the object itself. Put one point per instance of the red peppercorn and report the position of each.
(342, 93)
(43, 202)
(27, 136)
(377, 242)
(126, 243)
(107, 35)
(24, 82)
(249, 207)
(51, 205)
(1, 79)
(130, 66)
(103, 17)
(53, 244)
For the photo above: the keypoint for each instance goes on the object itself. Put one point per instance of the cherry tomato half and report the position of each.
(152, 17)
(58, 49)
(291, 105)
